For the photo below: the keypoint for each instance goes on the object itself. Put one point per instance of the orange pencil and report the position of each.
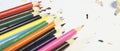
(29, 38)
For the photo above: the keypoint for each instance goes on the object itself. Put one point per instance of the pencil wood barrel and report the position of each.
(15, 10)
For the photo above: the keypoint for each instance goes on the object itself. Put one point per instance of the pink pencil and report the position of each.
(60, 40)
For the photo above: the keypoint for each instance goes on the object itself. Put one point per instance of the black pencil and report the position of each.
(46, 41)
(41, 41)
(62, 47)
(38, 40)
(66, 44)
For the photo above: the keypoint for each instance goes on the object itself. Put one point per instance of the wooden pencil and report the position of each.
(23, 33)
(35, 42)
(43, 43)
(39, 40)
(16, 10)
(12, 41)
(15, 23)
(46, 40)
(32, 36)
(66, 44)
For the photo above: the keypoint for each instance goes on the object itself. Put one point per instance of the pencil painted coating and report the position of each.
(66, 44)
(61, 47)
(58, 41)
(14, 16)
(38, 41)
(16, 10)
(10, 33)
(20, 33)
(29, 38)
(39, 26)
(14, 36)
(16, 20)
(43, 43)
(19, 24)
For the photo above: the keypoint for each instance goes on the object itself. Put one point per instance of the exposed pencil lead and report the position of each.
(75, 38)
(63, 24)
(49, 8)
(39, 1)
(70, 41)
(63, 32)
(43, 10)
(41, 7)
(48, 13)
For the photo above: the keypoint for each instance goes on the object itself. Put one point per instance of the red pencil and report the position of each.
(16, 10)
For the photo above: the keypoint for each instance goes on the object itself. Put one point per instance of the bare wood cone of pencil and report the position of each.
(99, 2)
(117, 11)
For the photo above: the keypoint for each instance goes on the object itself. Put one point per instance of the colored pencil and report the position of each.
(60, 40)
(18, 24)
(24, 32)
(62, 47)
(32, 36)
(36, 42)
(13, 16)
(12, 41)
(29, 38)
(44, 42)
(14, 36)
(39, 40)
(16, 10)
(16, 20)
(65, 45)
(27, 31)
(10, 33)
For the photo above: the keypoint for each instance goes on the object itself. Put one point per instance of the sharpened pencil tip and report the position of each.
(63, 24)
(79, 28)
(43, 10)
(63, 32)
(75, 38)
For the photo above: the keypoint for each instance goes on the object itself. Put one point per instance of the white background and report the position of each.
(101, 24)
